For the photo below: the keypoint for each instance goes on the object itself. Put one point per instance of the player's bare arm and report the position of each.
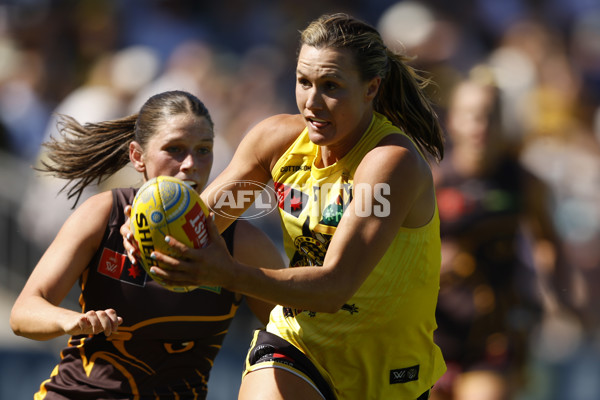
(36, 313)
(357, 246)
(253, 160)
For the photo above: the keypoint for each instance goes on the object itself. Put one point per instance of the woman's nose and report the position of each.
(313, 99)
(189, 162)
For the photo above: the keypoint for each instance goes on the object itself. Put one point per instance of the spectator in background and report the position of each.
(436, 44)
(562, 149)
(23, 112)
(490, 294)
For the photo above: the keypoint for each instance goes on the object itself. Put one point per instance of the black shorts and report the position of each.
(274, 352)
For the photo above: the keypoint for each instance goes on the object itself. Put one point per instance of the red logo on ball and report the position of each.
(195, 227)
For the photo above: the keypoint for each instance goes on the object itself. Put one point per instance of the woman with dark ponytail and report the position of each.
(356, 311)
(132, 339)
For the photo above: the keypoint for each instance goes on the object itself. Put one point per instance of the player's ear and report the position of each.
(136, 156)
(372, 88)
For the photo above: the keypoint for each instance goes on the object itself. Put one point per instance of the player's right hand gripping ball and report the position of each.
(167, 206)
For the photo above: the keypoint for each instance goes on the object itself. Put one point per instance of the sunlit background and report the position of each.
(101, 59)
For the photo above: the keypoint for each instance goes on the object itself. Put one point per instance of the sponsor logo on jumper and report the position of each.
(290, 200)
(404, 375)
(294, 168)
(111, 263)
(117, 266)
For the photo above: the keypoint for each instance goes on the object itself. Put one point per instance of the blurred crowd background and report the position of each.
(101, 59)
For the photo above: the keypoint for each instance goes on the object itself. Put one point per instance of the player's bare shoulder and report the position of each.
(396, 151)
(397, 161)
(272, 136)
(97, 206)
(87, 223)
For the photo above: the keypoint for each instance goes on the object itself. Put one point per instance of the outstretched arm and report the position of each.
(252, 162)
(356, 247)
(36, 313)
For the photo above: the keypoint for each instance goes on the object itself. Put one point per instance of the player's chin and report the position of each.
(319, 137)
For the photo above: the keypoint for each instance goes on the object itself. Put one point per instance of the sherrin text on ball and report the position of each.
(167, 206)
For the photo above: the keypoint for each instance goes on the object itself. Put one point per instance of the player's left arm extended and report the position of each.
(358, 244)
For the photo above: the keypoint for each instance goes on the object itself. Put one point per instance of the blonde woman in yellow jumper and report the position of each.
(360, 224)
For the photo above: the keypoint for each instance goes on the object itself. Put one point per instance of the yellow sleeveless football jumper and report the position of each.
(380, 344)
